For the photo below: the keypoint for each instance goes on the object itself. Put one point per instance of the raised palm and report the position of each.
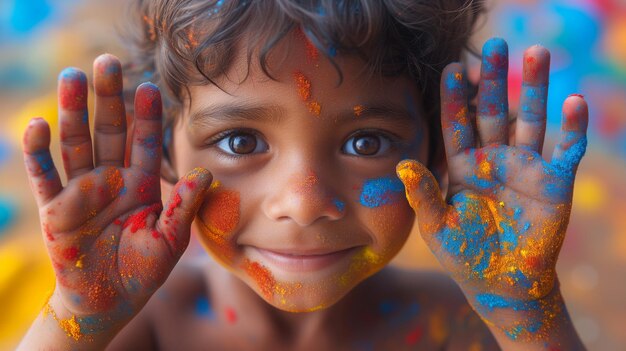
(503, 224)
(110, 241)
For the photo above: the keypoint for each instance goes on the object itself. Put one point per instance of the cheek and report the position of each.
(217, 220)
(385, 211)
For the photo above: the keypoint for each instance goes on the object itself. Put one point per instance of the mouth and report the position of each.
(303, 261)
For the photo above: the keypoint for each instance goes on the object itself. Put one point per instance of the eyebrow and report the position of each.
(245, 112)
(235, 112)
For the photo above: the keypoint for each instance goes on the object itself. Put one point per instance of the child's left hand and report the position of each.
(500, 232)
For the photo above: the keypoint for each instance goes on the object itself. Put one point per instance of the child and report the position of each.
(303, 111)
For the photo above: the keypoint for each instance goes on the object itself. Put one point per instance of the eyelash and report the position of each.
(393, 141)
(217, 138)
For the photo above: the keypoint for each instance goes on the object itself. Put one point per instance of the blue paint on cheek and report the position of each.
(203, 308)
(123, 190)
(85, 117)
(381, 191)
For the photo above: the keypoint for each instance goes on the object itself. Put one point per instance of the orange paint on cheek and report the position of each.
(262, 276)
(221, 213)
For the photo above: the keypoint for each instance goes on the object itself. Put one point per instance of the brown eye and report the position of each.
(242, 143)
(366, 145)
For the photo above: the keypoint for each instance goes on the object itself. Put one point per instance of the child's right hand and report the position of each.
(111, 241)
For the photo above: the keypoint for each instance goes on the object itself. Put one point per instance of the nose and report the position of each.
(304, 199)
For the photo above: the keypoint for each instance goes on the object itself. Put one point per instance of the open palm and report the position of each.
(111, 241)
(503, 224)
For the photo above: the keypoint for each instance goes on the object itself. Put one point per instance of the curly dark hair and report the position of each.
(178, 43)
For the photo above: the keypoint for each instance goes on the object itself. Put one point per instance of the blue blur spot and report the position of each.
(203, 308)
(8, 214)
(26, 15)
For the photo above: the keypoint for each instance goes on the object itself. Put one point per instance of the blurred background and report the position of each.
(587, 39)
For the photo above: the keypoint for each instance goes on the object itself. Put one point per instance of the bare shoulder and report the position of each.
(448, 321)
(181, 295)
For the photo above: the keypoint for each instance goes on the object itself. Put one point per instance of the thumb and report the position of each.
(182, 206)
(424, 196)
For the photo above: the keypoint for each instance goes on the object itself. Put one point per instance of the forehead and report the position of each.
(296, 72)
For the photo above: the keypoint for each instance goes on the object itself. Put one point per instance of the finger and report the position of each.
(493, 102)
(110, 116)
(42, 174)
(147, 133)
(531, 119)
(457, 127)
(573, 138)
(424, 196)
(180, 210)
(74, 123)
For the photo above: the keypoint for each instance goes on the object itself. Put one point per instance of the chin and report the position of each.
(311, 291)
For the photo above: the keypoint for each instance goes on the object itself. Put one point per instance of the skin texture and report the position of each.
(301, 192)
(304, 195)
(500, 231)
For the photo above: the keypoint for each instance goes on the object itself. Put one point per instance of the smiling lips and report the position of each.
(303, 261)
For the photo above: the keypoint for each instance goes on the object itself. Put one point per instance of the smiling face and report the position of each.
(305, 202)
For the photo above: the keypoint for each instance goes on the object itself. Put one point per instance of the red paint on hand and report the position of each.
(72, 89)
(138, 220)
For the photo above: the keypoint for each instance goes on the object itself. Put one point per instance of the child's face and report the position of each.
(307, 203)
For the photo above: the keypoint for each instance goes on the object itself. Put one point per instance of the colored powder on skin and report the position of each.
(70, 253)
(381, 191)
(312, 54)
(73, 89)
(493, 301)
(70, 326)
(138, 221)
(151, 144)
(47, 232)
(231, 315)
(146, 187)
(363, 262)
(114, 180)
(221, 211)
(358, 110)
(414, 336)
(475, 236)
(571, 157)
(262, 276)
(303, 85)
(175, 203)
(314, 108)
(339, 205)
(203, 308)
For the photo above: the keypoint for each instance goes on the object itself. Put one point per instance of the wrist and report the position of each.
(538, 324)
